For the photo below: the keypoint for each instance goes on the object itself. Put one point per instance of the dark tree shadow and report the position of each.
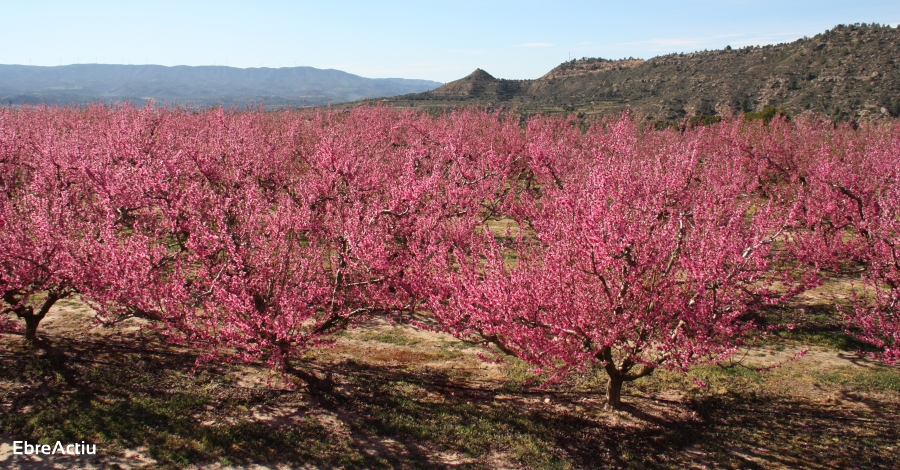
(129, 395)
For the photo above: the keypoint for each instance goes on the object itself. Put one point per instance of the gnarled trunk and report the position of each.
(32, 319)
(618, 375)
(31, 325)
(614, 392)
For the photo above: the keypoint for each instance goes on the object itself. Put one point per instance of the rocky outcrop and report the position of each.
(848, 73)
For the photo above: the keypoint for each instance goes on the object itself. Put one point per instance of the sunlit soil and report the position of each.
(394, 396)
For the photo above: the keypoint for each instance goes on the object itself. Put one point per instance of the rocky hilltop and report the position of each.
(847, 73)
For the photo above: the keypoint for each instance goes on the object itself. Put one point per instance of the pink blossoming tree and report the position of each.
(852, 204)
(653, 250)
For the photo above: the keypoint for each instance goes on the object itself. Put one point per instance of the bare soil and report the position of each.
(406, 398)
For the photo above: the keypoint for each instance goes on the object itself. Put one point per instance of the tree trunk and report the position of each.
(314, 384)
(32, 319)
(614, 392)
(31, 325)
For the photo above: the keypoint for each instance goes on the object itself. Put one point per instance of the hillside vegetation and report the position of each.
(848, 73)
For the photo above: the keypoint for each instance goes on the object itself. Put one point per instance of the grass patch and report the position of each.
(463, 426)
(876, 379)
(520, 375)
(395, 336)
(755, 429)
(829, 339)
(180, 420)
(123, 395)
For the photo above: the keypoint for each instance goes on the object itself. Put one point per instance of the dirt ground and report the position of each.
(401, 397)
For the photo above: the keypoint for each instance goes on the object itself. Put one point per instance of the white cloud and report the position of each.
(467, 51)
(536, 44)
(409, 70)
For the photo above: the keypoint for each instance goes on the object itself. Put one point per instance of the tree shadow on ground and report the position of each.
(820, 324)
(764, 431)
(125, 397)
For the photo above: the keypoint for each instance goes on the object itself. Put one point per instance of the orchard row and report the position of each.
(256, 235)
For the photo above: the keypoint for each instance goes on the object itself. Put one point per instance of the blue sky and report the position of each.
(437, 40)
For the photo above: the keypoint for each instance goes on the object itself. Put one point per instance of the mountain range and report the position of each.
(197, 86)
(851, 72)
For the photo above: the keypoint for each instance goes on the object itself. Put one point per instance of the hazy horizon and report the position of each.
(200, 85)
(219, 65)
(433, 40)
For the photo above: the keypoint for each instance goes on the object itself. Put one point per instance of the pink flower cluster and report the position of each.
(253, 235)
(633, 251)
(256, 235)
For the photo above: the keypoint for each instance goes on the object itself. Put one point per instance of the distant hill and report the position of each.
(199, 86)
(848, 73)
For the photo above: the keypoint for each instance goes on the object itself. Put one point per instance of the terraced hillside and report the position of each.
(849, 73)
